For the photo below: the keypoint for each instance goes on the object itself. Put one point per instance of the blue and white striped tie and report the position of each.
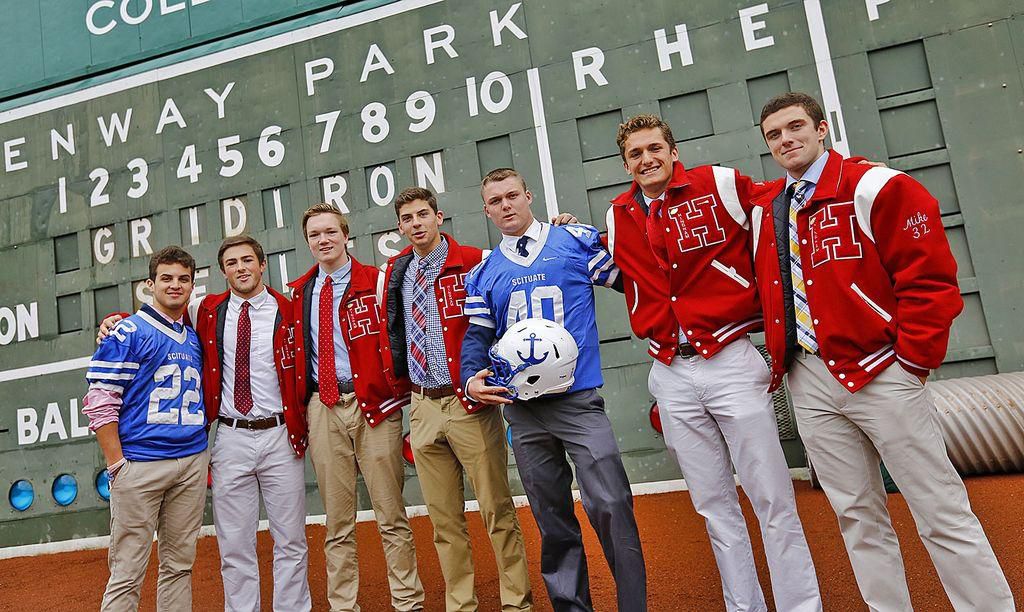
(804, 325)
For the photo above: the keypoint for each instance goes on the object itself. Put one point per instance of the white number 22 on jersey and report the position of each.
(189, 398)
(517, 304)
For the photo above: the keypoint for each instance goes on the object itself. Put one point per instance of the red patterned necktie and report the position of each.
(656, 233)
(327, 377)
(243, 387)
(418, 331)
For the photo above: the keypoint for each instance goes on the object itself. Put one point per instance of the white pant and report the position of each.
(246, 463)
(714, 410)
(892, 418)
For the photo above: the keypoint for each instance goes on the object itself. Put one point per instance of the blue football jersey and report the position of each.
(156, 369)
(555, 282)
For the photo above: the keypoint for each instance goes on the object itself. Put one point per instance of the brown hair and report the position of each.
(171, 255)
(238, 241)
(499, 174)
(321, 208)
(643, 122)
(411, 194)
(793, 98)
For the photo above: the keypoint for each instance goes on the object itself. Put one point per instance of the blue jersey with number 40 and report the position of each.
(555, 282)
(155, 367)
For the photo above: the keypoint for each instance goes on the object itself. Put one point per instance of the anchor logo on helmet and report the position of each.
(532, 359)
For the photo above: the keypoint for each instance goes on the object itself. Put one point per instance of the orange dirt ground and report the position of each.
(681, 570)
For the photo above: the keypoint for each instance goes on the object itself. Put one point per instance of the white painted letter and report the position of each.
(166, 8)
(170, 114)
(103, 246)
(750, 27)
(28, 321)
(52, 423)
(680, 46)
(233, 227)
(218, 98)
(140, 229)
(429, 44)
(385, 241)
(66, 141)
(116, 125)
(591, 68)
(872, 6)
(313, 76)
(505, 23)
(28, 431)
(77, 429)
(335, 188)
(136, 20)
(485, 95)
(8, 325)
(430, 173)
(375, 60)
(11, 154)
(382, 199)
(193, 224)
(90, 20)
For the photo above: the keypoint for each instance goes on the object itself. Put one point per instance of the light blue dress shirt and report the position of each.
(812, 176)
(340, 278)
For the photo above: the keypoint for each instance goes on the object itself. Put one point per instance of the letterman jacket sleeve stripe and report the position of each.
(725, 181)
(609, 220)
(864, 197)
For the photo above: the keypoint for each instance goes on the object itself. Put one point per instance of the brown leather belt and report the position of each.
(253, 424)
(435, 393)
(686, 350)
(344, 386)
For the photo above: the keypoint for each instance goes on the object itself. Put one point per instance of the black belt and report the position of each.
(252, 424)
(344, 386)
(686, 350)
(435, 393)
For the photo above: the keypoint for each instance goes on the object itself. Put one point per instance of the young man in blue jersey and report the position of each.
(145, 406)
(541, 270)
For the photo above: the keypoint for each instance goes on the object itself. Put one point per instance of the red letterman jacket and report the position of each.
(360, 326)
(879, 274)
(209, 324)
(706, 282)
(450, 291)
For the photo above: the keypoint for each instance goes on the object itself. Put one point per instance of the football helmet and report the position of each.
(534, 357)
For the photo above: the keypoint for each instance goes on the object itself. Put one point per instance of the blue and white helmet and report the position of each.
(534, 357)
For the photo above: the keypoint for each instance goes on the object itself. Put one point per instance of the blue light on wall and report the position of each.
(103, 485)
(21, 495)
(65, 489)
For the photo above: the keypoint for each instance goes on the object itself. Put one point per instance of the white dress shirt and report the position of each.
(263, 381)
(508, 243)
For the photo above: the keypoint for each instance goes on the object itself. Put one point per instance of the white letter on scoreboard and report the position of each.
(591, 68)
(382, 199)
(170, 114)
(445, 42)
(680, 46)
(234, 217)
(218, 98)
(505, 23)
(103, 246)
(11, 154)
(77, 429)
(335, 188)
(872, 6)
(52, 423)
(750, 27)
(115, 125)
(430, 172)
(327, 69)
(375, 60)
(28, 431)
(140, 229)
(90, 19)
(28, 321)
(384, 244)
(65, 141)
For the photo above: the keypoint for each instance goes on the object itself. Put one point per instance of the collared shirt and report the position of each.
(812, 176)
(437, 358)
(340, 278)
(508, 243)
(647, 203)
(263, 381)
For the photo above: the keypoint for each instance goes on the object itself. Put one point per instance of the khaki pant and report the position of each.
(892, 418)
(446, 440)
(167, 496)
(341, 445)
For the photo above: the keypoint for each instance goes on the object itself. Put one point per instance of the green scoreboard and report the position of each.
(128, 125)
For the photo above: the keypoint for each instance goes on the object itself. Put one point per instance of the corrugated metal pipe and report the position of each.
(982, 420)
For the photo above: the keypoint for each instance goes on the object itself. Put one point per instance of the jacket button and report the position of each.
(776, 321)
(673, 298)
(354, 376)
(370, 420)
(689, 332)
(831, 362)
(459, 390)
(849, 384)
(704, 352)
(674, 266)
(444, 329)
(211, 342)
(449, 359)
(815, 321)
(364, 404)
(810, 282)
(697, 344)
(776, 283)
(842, 376)
(214, 369)
(804, 241)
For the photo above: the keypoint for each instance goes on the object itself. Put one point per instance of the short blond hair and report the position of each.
(321, 208)
(499, 174)
(643, 122)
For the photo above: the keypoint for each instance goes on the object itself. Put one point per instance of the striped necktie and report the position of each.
(804, 326)
(418, 330)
